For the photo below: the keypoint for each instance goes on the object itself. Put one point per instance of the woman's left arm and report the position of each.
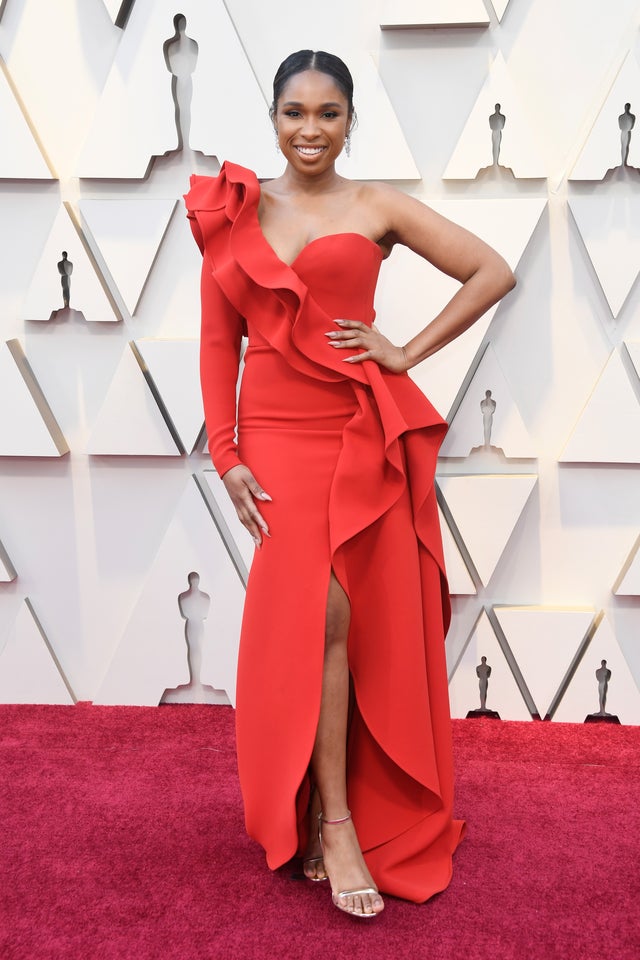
(484, 274)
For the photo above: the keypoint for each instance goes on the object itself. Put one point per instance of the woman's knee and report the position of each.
(338, 615)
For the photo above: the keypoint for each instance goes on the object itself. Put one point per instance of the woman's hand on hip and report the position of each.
(354, 335)
(244, 490)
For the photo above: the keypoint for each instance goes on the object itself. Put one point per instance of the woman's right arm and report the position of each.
(220, 343)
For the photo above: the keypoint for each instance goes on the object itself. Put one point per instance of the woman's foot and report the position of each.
(352, 886)
(313, 863)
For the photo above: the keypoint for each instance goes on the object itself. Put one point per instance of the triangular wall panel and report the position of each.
(152, 654)
(582, 697)
(500, 7)
(411, 291)
(406, 14)
(628, 581)
(28, 427)
(609, 224)
(20, 157)
(45, 293)
(130, 422)
(503, 693)
(505, 428)
(118, 10)
(379, 150)
(518, 149)
(7, 569)
(602, 150)
(135, 117)
(173, 365)
(29, 671)
(633, 349)
(608, 430)
(486, 509)
(544, 642)
(128, 234)
(458, 576)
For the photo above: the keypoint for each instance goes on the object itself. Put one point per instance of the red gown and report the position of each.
(348, 454)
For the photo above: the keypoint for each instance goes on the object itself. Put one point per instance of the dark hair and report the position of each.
(313, 60)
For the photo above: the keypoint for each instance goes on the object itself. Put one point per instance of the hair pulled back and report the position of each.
(319, 60)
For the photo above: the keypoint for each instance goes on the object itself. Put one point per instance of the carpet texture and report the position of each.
(122, 837)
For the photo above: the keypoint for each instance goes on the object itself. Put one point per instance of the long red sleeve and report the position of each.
(220, 341)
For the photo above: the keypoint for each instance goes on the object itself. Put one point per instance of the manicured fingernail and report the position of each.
(264, 496)
(257, 542)
(334, 333)
(340, 321)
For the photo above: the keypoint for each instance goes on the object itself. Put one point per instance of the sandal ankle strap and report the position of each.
(323, 819)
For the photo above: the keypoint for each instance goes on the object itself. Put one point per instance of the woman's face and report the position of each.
(312, 120)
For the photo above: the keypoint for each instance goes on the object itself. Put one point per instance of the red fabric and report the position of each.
(348, 454)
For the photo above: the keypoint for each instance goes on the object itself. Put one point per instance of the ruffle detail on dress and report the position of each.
(389, 452)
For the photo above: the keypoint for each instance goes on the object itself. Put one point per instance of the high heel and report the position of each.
(343, 894)
(312, 861)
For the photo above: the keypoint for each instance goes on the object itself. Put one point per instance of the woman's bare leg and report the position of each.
(343, 860)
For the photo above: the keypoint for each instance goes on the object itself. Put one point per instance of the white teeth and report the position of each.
(310, 151)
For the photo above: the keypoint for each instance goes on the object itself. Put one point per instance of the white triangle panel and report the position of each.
(581, 696)
(603, 148)
(411, 291)
(174, 369)
(433, 13)
(633, 349)
(500, 6)
(610, 228)
(20, 157)
(379, 150)
(135, 117)
(503, 693)
(152, 654)
(28, 669)
(128, 234)
(458, 577)
(506, 431)
(130, 422)
(45, 291)
(628, 582)
(117, 9)
(518, 149)
(7, 569)
(28, 427)
(486, 510)
(544, 641)
(608, 430)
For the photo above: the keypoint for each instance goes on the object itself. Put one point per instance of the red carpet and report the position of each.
(122, 838)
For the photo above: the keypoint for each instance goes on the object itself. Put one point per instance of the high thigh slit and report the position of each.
(347, 452)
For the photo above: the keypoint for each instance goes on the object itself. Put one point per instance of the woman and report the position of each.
(342, 709)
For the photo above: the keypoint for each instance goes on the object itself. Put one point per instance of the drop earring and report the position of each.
(277, 141)
(347, 144)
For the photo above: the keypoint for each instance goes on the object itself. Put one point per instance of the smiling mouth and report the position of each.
(310, 151)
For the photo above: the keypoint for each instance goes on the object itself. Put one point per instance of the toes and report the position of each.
(360, 904)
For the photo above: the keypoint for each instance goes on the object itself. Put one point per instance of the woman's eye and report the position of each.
(292, 113)
(330, 115)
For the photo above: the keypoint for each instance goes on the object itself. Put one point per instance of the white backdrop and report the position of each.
(543, 527)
